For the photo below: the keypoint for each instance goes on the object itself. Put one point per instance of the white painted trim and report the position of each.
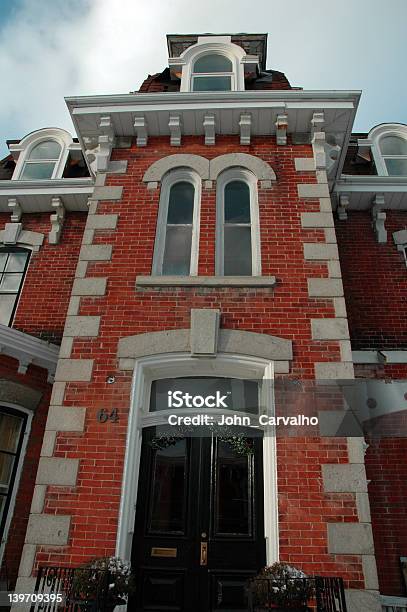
(217, 46)
(169, 365)
(169, 180)
(26, 348)
(237, 174)
(13, 498)
(376, 134)
(26, 145)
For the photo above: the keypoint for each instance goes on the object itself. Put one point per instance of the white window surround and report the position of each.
(374, 137)
(168, 181)
(220, 45)
(237, 174)
(26, 435)
(21, 151)
(172, 365)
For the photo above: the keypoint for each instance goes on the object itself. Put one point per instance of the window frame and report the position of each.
(226, 177)
(22, 151)
(16, 249)
(375, 136)
(6, 519)
(195, 75)
(169, 180)
(29, 161)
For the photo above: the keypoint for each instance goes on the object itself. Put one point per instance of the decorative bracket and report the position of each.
(343, 206)
(281, 129)
(379, 218)
(325, 153)
(317, 123)
(209, 128)
(57, 221)
(245, 125)
(16, 210)
(400, 240)
(140, 127)
(175, 130)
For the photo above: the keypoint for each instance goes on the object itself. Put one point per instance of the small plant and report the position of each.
(107, 581)
(280, 586)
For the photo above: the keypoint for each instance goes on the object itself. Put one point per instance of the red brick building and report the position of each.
(221, 229)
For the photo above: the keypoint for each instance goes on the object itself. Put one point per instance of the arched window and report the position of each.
(394, 151)
(176, 248)
(238, 239)
(12, 428)
(41, 161)
(212, 73)
(13, 266)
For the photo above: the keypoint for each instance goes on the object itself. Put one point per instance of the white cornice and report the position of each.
(27, 349)
(349, 182)
(37, 196)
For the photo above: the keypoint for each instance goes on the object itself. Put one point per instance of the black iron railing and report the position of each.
(68, 589)
(316, 594)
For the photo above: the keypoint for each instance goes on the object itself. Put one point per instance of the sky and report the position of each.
(55, 48)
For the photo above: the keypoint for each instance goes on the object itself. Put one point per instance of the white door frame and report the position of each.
(172, 365)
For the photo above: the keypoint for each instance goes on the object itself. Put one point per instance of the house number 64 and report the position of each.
(103, 415)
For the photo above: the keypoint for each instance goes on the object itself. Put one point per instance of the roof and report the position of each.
(253, 44)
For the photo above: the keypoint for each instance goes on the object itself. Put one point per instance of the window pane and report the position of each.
(396, 167)
(238, 251)
(237, 202)
(16, 262)
(49, 149)
(181, 203)
(393, 145)
(215, 83)
(10, 428)
(3, 259)
(233, 512)
(169, 490)
(177, 253)
(37, 171)
(11, 282)
(213, 63)
(6, 467)
(6, 308)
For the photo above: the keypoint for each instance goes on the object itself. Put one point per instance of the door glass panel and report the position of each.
(233, 492)
(237, 202)
(238, 395)
(3, 259)
(177, 254)
(168, 497)
(238, 251)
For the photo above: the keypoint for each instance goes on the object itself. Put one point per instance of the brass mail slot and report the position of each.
(164, 552)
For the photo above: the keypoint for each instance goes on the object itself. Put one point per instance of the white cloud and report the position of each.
(54, 48)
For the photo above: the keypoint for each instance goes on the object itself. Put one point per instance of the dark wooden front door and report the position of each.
(199, 530)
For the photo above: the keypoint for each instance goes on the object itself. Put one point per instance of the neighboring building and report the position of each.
(222, 226)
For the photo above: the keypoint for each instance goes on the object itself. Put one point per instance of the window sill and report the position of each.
(206, 281)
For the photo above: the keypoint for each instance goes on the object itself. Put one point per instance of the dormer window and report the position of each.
(394, 151)
(41, 161)
(212, 73)
(389, 148)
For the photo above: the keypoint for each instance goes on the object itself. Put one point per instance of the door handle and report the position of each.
(204, 553)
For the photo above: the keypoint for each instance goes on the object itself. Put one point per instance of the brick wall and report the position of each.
(285, 311)
(375, 282)
(47, 287)
(35, 378)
